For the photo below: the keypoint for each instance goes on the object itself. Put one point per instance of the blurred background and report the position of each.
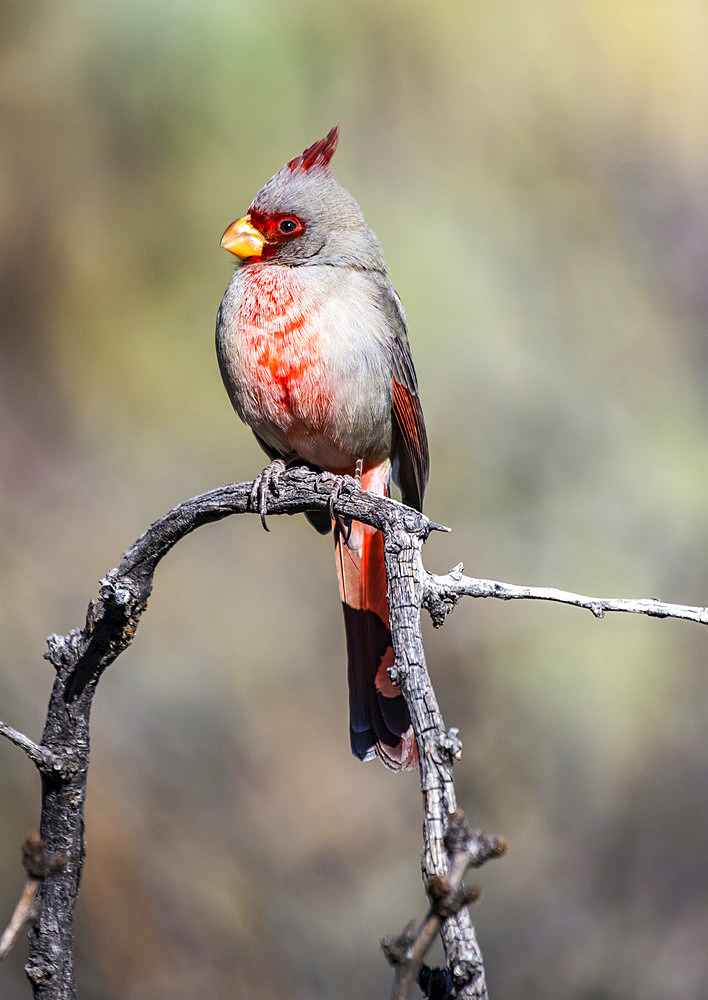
(537, 174)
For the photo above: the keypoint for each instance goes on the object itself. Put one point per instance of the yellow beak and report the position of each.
(242, 239)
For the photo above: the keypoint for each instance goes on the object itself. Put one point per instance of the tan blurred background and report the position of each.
(537, 174)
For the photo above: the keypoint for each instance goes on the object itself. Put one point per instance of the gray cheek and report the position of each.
(304, 249)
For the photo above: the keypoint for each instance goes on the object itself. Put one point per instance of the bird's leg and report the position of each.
(358, 470)
(268, 479)
(341, 485)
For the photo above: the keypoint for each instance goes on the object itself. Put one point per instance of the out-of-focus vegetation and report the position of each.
(537, 174)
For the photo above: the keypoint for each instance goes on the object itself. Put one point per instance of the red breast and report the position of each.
(281, 345)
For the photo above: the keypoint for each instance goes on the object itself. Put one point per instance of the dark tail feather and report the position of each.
(379, 722)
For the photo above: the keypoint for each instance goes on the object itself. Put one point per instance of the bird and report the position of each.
(312, 345)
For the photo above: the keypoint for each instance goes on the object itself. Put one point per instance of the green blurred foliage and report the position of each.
(537, 176)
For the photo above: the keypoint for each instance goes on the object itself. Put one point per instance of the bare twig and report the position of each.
(23, 912)
(44, 759)
(442, 594)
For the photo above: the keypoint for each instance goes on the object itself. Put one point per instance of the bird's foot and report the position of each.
(339, 487)
(262, 484)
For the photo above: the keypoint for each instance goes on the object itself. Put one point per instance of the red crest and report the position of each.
(318, 154)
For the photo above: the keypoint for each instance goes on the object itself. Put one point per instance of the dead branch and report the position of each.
(442, 594)
(437, 749)
(80, 658)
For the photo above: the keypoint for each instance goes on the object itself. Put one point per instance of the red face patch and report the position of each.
(277, 229)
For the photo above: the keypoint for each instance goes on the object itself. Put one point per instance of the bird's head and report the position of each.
(303, 215)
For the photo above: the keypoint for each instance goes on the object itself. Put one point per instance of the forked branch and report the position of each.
(79, 659)
(465, 849)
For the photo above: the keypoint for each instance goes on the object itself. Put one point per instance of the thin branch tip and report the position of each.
(443, 592)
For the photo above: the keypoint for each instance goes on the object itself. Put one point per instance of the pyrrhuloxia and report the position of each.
(312, 346)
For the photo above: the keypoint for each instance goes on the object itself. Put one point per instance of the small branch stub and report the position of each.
(446, 899)
(450, 745)
(37, 861)
(397, 949)
(43, 758)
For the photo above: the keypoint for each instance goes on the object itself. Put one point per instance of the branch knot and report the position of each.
(447, 899)
(41, 973)
(437, 601)
(397, 949)
(64, 650)
(448, 745)
(117, 590)
(472, 846)
(37, 861)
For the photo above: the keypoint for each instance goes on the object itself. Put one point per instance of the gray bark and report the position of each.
(81, 657)
(55, 861)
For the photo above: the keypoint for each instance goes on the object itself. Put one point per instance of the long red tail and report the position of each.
(379, 724)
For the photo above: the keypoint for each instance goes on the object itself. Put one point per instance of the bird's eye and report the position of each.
(289, 226)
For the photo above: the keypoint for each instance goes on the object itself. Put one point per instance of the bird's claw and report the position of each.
(262, 484)
(339, 488)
